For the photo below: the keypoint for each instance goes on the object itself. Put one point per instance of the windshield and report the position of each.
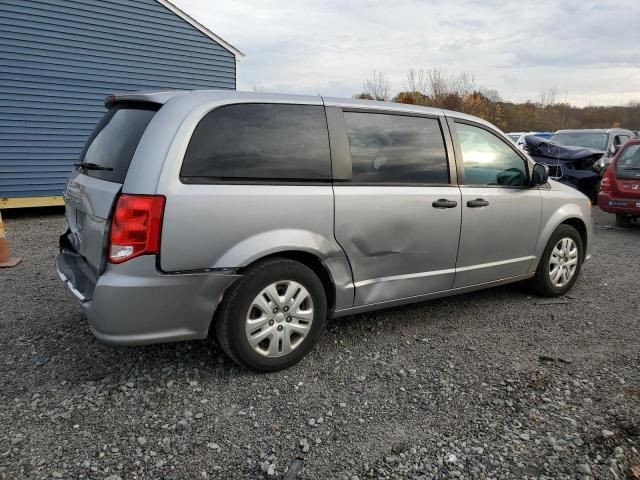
(629, 159)
(581, 139)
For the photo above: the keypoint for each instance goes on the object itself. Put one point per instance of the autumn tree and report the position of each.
(439, 88)
(377, 87)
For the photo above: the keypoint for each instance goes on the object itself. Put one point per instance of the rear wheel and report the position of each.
(560, 264)
(622, 220)
(273, 316)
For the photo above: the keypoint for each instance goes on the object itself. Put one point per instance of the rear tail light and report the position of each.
(605, 184)
(136, 227)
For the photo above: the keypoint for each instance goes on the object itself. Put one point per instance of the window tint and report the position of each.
(396, 149)
(260, 141)
(114, 141)
(488, 160)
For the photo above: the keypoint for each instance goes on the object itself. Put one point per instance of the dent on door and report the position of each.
(398, 244)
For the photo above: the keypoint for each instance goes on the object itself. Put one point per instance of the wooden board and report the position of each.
(29, 202)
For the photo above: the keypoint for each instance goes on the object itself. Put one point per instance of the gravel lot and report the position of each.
(495, 384)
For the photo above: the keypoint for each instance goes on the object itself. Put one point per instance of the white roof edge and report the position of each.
(167, 4)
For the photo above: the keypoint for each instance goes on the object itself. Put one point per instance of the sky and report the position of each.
(587, 50)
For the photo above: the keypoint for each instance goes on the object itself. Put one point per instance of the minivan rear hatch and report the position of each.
(98, 178)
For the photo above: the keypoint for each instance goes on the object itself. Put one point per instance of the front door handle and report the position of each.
(444, 203)
(478, 202)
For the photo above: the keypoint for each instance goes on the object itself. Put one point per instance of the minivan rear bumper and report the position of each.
(132, 303)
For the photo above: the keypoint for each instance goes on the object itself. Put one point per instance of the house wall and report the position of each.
(59, 59)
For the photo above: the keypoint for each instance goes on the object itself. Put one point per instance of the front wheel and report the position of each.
(273, 316)
(560, 264)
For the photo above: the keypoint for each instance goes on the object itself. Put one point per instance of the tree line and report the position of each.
(438, 88)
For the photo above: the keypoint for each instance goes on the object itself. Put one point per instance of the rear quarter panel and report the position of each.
(230, 225)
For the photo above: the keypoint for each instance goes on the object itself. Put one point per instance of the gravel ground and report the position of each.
(494, 384)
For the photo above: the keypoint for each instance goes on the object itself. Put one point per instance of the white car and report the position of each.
(518, 138)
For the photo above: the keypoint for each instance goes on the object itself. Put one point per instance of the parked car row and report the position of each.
(572, 166)
(519, 137)
(579, 158)
(620, 188)
(606, 141)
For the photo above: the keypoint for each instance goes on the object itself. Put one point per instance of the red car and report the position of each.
(620, 188)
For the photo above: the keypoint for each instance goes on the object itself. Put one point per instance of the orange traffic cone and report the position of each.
(5, 259)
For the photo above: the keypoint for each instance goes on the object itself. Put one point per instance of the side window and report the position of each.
(488, 160)
(396, 149)
(260, 141)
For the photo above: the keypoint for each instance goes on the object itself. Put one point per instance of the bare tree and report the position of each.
(437, 83)
(439, 88)
(548, 97)
(462, 84)
(417, 86)
(378, 86)
(416, 81)
(491, 94)
(363, 96)
(257, 87)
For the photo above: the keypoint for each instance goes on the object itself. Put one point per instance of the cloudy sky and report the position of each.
(588, 49)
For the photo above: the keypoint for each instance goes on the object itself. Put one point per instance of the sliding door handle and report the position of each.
(444, 203)
(478, 202)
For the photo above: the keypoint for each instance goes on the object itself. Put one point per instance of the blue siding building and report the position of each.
(60, 58)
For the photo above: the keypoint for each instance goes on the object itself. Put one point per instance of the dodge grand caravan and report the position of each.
(254, 217)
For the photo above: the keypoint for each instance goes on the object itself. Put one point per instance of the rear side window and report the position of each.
(114, 141)
(629, 159)
(396, 149)
(260, 141)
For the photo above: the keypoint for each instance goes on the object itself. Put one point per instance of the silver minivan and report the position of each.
(254, 217)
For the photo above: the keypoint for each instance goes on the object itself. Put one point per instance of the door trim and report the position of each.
(496, 264)
(391, 278)
(407, 276)
(427, 296)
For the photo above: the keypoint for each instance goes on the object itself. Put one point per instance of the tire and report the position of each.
(542, 282)
(244, 308)
(596, 191)
(622, 220)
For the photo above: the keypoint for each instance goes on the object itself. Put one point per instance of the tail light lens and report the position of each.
(136, 227)
(605, 184)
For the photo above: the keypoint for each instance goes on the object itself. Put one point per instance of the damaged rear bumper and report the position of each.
(132, 303)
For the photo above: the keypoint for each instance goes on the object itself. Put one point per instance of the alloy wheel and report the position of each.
(563, 262)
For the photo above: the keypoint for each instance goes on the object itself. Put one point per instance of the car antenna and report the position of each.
(564, 108)
(558, 169)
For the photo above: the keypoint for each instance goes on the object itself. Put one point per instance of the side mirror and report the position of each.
(539, 175)
(613, 149)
